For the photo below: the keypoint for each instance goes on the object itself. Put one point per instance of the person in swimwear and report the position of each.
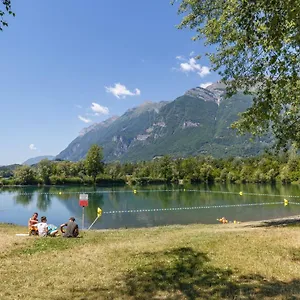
(32, 222)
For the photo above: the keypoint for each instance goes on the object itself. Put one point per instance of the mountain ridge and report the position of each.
(37, 159)
(198, 122)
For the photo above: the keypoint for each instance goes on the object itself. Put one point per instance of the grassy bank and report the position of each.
(177, 262)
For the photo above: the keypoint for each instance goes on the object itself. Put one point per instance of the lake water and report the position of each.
(151, 205)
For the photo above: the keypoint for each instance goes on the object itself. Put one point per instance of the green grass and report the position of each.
(50, 244)
(176, 262)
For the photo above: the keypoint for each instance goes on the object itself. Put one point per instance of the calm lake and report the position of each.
(151, 205)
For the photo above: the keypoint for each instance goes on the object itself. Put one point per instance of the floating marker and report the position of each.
(99, 212)
(134, 191)
(241, 193)
(285, 202)
(59, 193)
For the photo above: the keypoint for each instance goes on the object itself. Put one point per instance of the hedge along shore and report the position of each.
(230, 261)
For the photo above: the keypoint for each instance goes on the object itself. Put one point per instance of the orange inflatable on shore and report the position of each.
(223, 220)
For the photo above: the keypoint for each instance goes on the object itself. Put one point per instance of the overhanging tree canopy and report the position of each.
(257, 51)
(6, 9)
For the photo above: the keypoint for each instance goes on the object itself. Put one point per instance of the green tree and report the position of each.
(188, 166)
(93, 161)
(166, 167)
(7, 9)
(24, 175)
(205, 173)
(45, 170)
(223, 175)
(257, 51)
(115, 170)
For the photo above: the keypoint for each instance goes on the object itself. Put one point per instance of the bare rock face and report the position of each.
(188, 124)
(90, 128)
(213, 92)
(202, 94)
(142, 137)
(96, 126)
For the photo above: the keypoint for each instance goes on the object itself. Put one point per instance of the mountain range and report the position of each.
(35, 160)
(197, 122)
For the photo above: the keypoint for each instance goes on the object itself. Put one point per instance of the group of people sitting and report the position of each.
(42, 228)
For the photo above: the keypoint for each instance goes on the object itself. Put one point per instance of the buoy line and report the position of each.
(188, 208)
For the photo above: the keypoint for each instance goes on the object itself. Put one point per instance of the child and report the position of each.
(43, 227)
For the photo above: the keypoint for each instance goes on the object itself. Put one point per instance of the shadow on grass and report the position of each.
(289, 221)
(182, 273)
(185, 274)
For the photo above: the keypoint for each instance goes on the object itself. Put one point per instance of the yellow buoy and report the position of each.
(60, 193)
(134, 191)
(184, 190)
(285, 202)
(99, 212)
(241, 193)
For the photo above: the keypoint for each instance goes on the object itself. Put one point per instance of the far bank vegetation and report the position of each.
(267, 168)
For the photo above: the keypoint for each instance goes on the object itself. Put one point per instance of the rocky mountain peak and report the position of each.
(95, 126)
(203, 94)
(147, 106)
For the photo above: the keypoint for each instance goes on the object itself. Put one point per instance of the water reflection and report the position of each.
(43, 200)
(22, 198)
(59, 203)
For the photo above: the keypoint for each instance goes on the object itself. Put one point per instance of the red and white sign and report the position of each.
(83, 200)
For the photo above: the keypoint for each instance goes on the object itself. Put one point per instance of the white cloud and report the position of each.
(192, 53)
(78, 106)
(120, 91)
(32, 147)
(205, 84)
(204, 71)
(85, 120)
(191, 65)
(180, 57)
(98, 109)
(186, 67)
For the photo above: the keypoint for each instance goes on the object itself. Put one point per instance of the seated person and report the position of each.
(43, 227)
(71, 228)
(46, 229)
(52, 230)
(32, 222)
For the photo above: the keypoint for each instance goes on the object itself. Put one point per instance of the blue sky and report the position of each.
(68, 64)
